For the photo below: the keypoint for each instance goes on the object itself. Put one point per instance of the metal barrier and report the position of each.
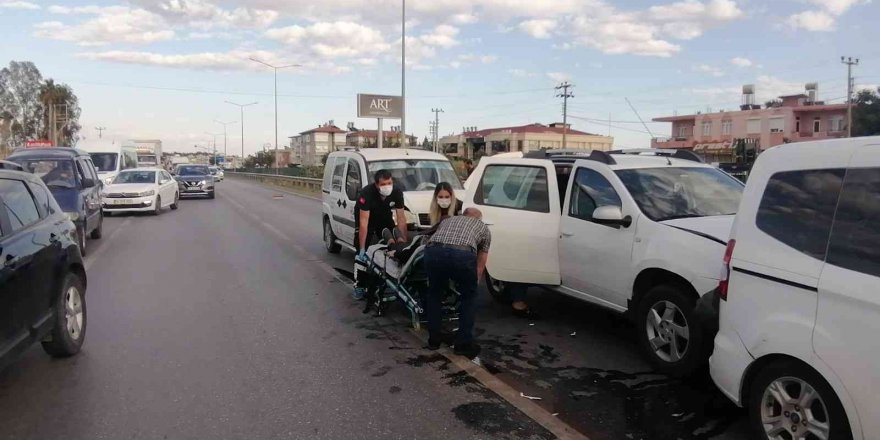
(305, 183)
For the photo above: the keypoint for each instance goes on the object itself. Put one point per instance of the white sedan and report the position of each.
(141, 190)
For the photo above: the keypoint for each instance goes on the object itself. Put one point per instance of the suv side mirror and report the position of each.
(88, 183)
(611, 216)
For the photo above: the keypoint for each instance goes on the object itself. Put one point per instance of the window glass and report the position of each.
(798, 207)
(777, 125)
(417, 175)
(105, 162)
(328, 173)
(338, 175)
(707, 128)
(855, 237)
(55, 173)
(591, 190)
(753, 126)
(353, 180)
(89, 169)
(135, 177)
(130, 159)
(681, 192)
(19, 204)
(517, 187)
(43, 198)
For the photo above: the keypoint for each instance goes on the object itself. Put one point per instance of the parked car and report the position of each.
(71, 177)
(416, 172)
(799, 309)
(195, 181)
(639, 232)
(109, 160)
(141, 190)
(218, 173)
(42, 279)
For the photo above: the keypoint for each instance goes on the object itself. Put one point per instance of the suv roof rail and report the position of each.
(7, 165)
(594, 155)
(673, 153)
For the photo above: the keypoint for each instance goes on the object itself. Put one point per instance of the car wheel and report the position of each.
(212, 194)
(499, 290)
(66, 337)
(158, 208)
(176, 201)
(99, 231)
(81, 240)
(790, 400)
(330, 238)
(669, 333)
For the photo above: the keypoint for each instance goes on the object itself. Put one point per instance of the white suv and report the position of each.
(641, 232)
(799, 326)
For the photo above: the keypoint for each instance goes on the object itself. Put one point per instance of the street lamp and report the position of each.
(224, 124)
(215, 144)
(275, 69)
(241, 107)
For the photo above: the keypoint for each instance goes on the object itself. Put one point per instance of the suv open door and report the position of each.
(520, 202)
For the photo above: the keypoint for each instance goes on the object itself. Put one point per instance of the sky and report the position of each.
(163, 69)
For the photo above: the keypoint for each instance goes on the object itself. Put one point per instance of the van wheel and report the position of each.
(66, 337)
(790, 400)
(499, 290)
(330, 239)
(669, 333)
(99, 231)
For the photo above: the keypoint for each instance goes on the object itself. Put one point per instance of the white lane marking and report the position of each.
(91, 257)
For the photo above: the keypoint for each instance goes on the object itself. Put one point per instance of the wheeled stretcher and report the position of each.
(393, 278)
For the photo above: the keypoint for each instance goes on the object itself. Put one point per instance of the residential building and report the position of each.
(310, 147)
(369, 138)
(793, 118)
(473, 143)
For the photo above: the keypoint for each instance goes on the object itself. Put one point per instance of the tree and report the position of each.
(866, 113)
(773, 103)
(20, 85)
(426, 145)
(61, 96)
(263, 159)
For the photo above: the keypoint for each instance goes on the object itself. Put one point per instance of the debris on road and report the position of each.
(574, 333)
(529, 397)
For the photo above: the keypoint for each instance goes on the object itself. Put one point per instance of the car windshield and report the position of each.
(136, 177)
(55, 173)
(192, 171)
(418, 175)
(672, 193)
(104, 162)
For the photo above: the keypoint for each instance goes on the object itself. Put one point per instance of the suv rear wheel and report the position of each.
(790, 400)
(81, 240)
(66, 337)
(669, 333)
(330, 239)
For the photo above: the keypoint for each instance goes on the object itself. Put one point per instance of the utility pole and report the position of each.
(565, 94)
(214, 135)
(241, 108)
(436, 130)
(100, 131)
(850, 62)
(403, 139)
(224, 124)
(275, 69)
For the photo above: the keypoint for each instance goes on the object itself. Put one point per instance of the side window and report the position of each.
(855, 237)
(90, 169)
(353, 180)
(338, 175)
(166, 176)
(44, 200)
(19, 204)
(513, 186)
(798, 208)
(328, 173)
(80, 170)
(130, 159)
(591, 190)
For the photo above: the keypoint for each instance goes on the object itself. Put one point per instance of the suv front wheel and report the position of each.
(66, 337)
(669, 333)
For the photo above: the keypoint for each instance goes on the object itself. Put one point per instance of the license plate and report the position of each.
(193, 188)
(121, 202)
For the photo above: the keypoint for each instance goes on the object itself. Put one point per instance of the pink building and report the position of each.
(796, 118)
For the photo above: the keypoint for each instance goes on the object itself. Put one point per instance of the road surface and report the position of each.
(225, 319)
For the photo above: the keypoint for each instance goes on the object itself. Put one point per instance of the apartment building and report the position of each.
(309, 147)
(473, 143)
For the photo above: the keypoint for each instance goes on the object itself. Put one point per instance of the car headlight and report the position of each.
(73, 216)
(147, 193)
(202, 182)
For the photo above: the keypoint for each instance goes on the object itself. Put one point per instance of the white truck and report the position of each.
(149, 152)
(641, 232)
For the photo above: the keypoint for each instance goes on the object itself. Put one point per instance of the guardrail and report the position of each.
(307, 183)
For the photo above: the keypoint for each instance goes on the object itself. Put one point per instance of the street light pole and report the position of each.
(224, 124)
(275, 69)
(214, 135)
(241, 108)
(403, 140)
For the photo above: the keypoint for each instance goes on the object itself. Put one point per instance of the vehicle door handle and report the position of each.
(568, 234)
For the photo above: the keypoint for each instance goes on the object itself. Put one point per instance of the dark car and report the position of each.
(71, 177)
(42, 277)
(195, 181)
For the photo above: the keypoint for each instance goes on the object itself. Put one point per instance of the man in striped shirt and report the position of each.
(458, 251)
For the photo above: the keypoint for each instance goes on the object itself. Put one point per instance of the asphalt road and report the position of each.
(223, 320)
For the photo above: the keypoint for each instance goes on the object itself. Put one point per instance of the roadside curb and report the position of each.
(276, 188)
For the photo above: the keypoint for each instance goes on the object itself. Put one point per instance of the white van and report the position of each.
(416, 172)
(111, 159)
(800, 299)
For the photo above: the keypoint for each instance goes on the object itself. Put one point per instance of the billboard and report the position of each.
(379, 106)
(38, 143)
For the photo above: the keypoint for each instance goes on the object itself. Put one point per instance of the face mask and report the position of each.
(385, 190)
(444, 203)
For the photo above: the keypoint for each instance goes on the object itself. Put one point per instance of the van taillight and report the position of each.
(725, 270)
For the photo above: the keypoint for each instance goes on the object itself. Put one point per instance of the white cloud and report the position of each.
(231, 60)
(464, 19)
(521, 73)
(332, 40)
(741, 62)
(206, 15)
(542, 28)
(488, 59)
(455, 64)
(558, 76)
(711, 70)
(824, 17)
(19, 5)
(441, 36)
(113, 24)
